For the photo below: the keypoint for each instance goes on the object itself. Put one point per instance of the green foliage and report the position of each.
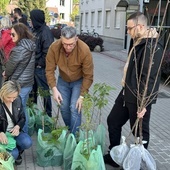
(27, 5)
(98, 99)
(75, 10)
(90, 102)
(3, 5)
(43, 93)
(52, 138)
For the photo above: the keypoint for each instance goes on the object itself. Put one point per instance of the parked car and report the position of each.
(57, 26)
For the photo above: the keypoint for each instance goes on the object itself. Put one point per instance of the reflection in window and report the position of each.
(99, 18)
(92, 18)
(62, 2)
(107, 21)
(62, 16)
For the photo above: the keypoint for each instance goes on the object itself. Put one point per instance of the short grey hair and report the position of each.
(68, 32)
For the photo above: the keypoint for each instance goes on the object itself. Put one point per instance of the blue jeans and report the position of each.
(24, 93)
(23, 141)
(70, 93)
(41, 81)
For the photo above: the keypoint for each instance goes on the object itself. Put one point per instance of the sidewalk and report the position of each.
(108, 69)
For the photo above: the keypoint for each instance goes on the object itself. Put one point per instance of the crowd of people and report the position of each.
(29, 58)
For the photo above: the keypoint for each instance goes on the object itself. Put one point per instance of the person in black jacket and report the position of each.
(44, 38)
(21, 63)
(140, 82)
(12, 119)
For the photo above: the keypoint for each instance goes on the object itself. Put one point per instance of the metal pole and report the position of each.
(141, 5)
(159, 13)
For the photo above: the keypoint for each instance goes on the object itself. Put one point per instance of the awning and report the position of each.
(126, 3)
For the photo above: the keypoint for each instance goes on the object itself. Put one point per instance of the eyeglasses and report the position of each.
(70, 45)
(12, 34)
(130, 28)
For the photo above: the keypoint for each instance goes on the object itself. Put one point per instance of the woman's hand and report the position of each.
(3, 138)
(15, 130)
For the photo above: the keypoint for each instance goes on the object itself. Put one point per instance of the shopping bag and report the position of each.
(6, 160)
(100, 137)
(50, 154)
(119, 153)
(11, 142)
(31, 120)
(85, 158)
(68, 151)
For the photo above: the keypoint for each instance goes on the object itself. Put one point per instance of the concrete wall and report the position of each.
(112, 21)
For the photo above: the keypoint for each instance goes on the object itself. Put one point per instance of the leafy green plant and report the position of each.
(97, 99)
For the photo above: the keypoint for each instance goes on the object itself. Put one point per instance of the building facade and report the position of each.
(108, 17)
(64, 10)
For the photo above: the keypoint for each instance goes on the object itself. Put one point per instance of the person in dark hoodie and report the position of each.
(44, 38)
(140, 81)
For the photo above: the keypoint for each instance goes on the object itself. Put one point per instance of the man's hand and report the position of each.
(3, 138)
(57, 95)
(3, 74)
(79, 103)
(15, 130)
(142, 113)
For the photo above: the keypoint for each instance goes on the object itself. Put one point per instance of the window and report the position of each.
(62, 2)
(62, 16)
(99, 19)
(86, 19)
(92, 18)
(117, 19)
(107, 21)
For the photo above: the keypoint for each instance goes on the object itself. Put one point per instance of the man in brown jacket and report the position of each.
(75, 64)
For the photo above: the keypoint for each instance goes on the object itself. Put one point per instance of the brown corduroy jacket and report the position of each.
(79, 64)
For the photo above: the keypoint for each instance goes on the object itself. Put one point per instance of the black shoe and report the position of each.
(108, 160)
(18, 161)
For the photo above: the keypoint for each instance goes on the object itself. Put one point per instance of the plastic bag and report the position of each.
(6, 160)
(68, 151)
(133, 158)
(40, 118)
(83, 161)
(100, 136)
(48, 154)
(31, 120)
(148, 163)
(11, 142)
(119, 153)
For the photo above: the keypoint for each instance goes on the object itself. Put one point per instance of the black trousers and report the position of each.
(120, 114)
(41, 82)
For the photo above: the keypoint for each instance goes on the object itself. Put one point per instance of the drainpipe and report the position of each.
(159, 13)
(141, 5)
